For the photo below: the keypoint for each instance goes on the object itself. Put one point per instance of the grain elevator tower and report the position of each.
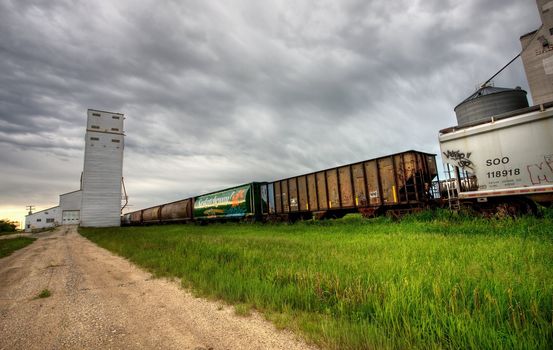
(103, 169)
(537, 55)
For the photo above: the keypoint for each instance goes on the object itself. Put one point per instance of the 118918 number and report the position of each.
(503, 173)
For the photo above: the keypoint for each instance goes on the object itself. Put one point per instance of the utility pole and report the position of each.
(30, 208)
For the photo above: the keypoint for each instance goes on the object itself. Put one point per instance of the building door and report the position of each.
(70, 217)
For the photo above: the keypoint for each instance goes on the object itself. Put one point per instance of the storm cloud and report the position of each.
(222, 93)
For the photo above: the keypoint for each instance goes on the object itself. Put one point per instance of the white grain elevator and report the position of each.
(103, 169)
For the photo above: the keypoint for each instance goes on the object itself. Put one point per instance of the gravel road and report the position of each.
(99, 300)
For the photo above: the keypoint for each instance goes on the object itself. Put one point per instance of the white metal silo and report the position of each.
(103, 169)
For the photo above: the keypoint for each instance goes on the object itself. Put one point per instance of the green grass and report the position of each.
(430, 281)
(45, 293)
(10, 245)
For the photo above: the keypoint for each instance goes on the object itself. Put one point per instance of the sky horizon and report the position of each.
(220, 94)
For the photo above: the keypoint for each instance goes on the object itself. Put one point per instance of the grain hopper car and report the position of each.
(394, 184)
(500, 162)
(242, 202)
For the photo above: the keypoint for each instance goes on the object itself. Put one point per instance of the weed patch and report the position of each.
(45, 293)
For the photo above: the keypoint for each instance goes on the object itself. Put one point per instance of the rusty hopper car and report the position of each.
(151, 215)
(505, 161)
(396, 184)
(136, 217)
(179, 211)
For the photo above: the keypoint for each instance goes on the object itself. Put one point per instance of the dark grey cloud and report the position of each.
(220, 93)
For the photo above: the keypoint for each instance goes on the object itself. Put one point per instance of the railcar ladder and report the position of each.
(452, 192)
(454, 204)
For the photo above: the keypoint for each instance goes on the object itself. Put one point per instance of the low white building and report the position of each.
(70, 206)
(43, 219)
(66, 213)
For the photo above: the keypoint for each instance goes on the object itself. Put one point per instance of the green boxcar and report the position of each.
(233, 203)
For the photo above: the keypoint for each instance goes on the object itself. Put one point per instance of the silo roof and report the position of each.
(487, 90)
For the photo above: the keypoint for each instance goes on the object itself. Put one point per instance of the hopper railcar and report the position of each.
(395, 184)
(501, 163)
(236, 203)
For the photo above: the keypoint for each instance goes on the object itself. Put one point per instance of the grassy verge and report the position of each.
(430, 281)
(8, 246)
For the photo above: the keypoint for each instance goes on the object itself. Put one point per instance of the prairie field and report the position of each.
(434, 280)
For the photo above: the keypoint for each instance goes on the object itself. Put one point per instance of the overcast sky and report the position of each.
(219, 93)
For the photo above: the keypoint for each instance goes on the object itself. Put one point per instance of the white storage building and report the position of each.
(43, 219)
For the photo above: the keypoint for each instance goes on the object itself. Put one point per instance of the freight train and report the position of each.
(496, 159)
(396, 184)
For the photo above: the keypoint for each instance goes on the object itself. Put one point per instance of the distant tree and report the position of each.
(7, 226)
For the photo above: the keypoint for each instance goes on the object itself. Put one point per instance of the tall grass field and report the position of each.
(431, 281)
